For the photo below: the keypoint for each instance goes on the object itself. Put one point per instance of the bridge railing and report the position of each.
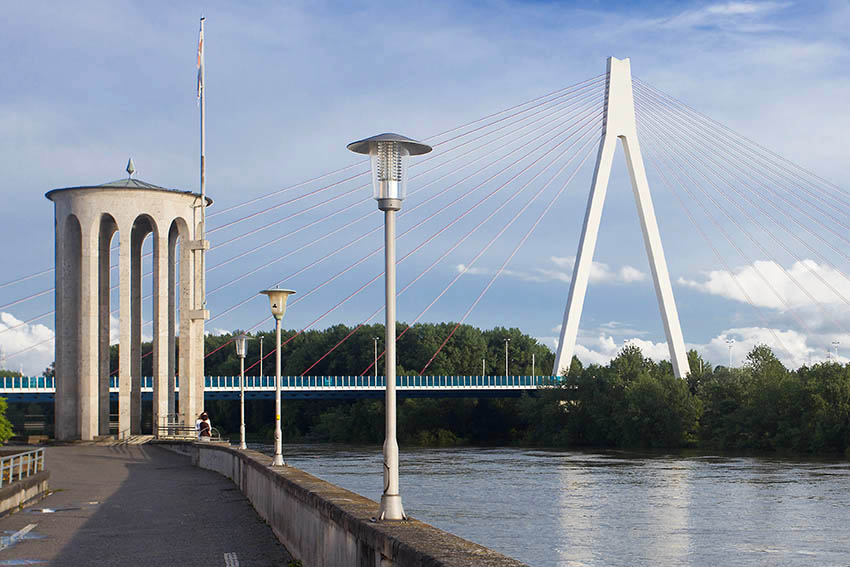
(377, 382)
(42, 384)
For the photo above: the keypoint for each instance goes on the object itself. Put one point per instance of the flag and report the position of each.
(201, 60)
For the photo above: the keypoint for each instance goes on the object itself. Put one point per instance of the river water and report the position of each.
(570, 508)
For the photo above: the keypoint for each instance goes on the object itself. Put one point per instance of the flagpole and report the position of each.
(203, 227)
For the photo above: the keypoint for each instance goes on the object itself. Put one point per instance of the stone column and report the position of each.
(89, 340)
(107, 229)
(161, 320)
(172, 317)
(136, 240)
(67, 276)
(124, 358)
(188, 383)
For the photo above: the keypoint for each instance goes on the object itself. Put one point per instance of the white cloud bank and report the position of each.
(794, 349)
(15, 336)
(822, 284)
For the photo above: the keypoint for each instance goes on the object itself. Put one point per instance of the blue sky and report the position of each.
(289, 84)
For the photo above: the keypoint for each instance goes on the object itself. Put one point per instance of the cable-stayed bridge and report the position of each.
(488, 186)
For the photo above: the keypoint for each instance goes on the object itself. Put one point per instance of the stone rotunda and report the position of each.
(86, 219)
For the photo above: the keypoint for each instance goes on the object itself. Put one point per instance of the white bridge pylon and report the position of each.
(619, 122)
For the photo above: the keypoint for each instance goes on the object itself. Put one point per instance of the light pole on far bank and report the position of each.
(261, 359)
(277, 300)
(241, 347)
(389, 155)
(376, 361)
(507, 340)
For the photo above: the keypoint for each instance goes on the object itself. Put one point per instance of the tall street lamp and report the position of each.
(389, 155)
(277, 300)
(376, 361)
(507, 340)
(241, 348)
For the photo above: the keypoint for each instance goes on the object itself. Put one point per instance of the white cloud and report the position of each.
(792, 348)
(561, 269)
(743, 17)
(16, 336)
(822, 283)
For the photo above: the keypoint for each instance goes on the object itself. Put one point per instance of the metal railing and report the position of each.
(41, 384)
(20, 465)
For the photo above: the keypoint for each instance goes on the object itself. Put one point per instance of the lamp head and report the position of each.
(277, 300)
(241, 345)
(389, 153)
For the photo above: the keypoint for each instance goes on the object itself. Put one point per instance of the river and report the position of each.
(570, 508)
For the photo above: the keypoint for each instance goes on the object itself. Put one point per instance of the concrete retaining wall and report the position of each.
(326, 526)
(22, 492)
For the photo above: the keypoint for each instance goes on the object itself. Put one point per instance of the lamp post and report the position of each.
(261, 359)
(507, 340)
(730, 342)
(532, 364)
(376, 361)
(483, 367)
(241, 347)
(277, 300)
(389, 155)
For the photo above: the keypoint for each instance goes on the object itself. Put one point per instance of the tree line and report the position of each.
(631, 402)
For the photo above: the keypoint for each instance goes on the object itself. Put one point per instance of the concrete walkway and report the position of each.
(138, 505)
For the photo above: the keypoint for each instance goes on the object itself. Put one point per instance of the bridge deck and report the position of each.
(139, 505)
(41, 389)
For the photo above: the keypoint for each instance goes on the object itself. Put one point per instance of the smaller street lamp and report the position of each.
(241, 351)
(507, 340)
(277, 301)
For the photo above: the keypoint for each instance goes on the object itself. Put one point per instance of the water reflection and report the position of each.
(571, 508)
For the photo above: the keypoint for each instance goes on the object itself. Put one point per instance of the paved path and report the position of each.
(138, 505)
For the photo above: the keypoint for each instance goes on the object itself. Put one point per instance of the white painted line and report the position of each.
(18, 535)
(230, 559)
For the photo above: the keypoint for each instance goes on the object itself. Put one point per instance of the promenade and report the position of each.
(138, 505)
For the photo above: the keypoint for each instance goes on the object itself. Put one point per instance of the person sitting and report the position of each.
(205, 427)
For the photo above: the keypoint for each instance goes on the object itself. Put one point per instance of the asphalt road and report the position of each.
(137, 505)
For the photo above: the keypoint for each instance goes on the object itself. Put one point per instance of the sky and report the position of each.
(288, 84)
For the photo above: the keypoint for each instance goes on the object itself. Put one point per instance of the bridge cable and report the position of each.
(584, 114)
(660, 169)
(666, 133)
(766, 281)
(423, 221)
(506, 262)
(764, 153)
(422, 244)
(467, 235)
(580, 97)
(757, 164)
(705, 151)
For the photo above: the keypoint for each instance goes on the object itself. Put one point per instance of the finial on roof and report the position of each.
(131, 168)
